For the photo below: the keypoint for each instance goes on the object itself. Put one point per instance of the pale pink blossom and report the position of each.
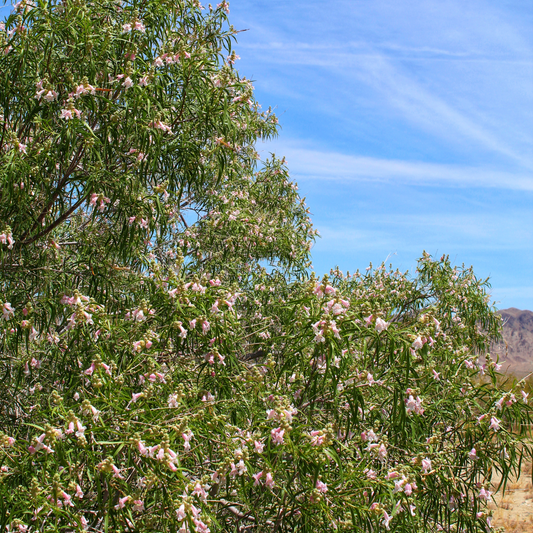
(187, 438)
(494, 424)
(122, 502)
(321, 486)
(135, 396)
(417, 343)
(414, 405)
(50, 96)
(180, 512)
(199, 491)
(370, 474)
(7, 238)
(7, 311)
(317, 438)
(381, 325)
(382, 452)
(138, 505)
(386, 519)
(139, 26)
(277, 436)
(269, 481)
(484, 494)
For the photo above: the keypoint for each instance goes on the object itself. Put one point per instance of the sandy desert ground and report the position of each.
(514, 509)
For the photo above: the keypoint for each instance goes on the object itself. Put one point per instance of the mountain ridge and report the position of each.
(516, 349)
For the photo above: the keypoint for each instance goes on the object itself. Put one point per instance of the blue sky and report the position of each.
(408, 125)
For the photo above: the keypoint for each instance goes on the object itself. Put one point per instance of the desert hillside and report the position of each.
(516, 350)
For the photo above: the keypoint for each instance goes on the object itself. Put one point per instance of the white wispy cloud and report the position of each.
(306, 163)
(457, 118)
(464, 86)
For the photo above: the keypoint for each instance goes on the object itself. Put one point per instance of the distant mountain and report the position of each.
(516, 350)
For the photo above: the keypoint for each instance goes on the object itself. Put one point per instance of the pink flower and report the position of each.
(90, 370)
(116, 472)
(241, 467)
(382, 452)
(277, 436)
(317, 438)
(173, 400)
(122, 502)
(330, 290)
(494, 424)
(370, 474)
(321, 486)
(484, 494)
(135, 396)
(128, 83)
(224, 5)
(472, 454)
(7, 311)
(414, 405)
(66, 498)
(50, 96)
(417, 343)
(257, 477)
(187, 438)
(180, 512)
(381, 325)
(7, 238)
(259, 446)
(139, 26)
(199, 491)
(386, 519)
(269, 481)
(426, 465)
(138, 505)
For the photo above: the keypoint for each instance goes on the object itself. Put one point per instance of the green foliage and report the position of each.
(170, 365)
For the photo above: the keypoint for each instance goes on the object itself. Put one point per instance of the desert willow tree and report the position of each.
(167, 362)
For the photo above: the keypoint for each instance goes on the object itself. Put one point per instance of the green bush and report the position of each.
(169, 364)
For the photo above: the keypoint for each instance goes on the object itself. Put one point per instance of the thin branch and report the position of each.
(62, 218)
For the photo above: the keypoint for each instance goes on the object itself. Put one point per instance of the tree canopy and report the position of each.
(169, 361)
